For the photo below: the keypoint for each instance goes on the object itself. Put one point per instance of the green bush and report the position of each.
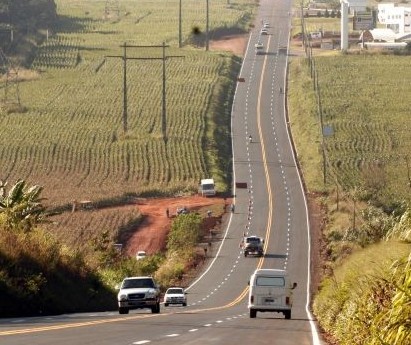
(184, 232)
(171, 272)
(357, 303)
(40, 276)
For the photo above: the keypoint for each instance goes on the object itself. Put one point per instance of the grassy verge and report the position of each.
(360, 294)
(350, 128)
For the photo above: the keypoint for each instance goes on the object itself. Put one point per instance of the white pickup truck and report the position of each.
(138, 293)
(270, 291)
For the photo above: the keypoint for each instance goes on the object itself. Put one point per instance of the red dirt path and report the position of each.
(151, 234)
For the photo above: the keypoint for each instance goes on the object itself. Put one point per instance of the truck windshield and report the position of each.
(137, 283)
(270, 281)
(207, 186)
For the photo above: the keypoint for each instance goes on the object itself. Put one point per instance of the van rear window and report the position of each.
(270, 281)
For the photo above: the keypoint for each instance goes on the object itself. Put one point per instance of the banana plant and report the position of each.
(21, 207)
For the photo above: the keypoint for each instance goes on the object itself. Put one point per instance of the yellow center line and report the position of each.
(267, 176)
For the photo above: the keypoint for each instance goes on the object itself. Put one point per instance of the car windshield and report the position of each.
(138, 283)
(174, 291)
(253, 240)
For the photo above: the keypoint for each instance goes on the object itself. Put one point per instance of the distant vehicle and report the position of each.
(263, 32)
(252, 245)
(270, 291)
(182, 210)
(266, 25)
(175, 295)
(259, 48)
(259, 45)
(207, 187)
(141, 254)
(315, 35)
(138, 293)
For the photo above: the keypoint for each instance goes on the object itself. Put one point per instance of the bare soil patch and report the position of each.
(235, 44)
(152, 233)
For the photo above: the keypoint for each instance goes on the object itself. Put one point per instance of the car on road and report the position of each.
(259, 48)
(266, 25)
(138, 293)
(252, 245)
(263, 31)
(175, 295)
(259, 45)
(141, 254)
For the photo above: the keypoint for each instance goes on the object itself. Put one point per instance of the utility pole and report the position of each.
(207, 26)
(164, 111)
(179, 25)
(124, 57)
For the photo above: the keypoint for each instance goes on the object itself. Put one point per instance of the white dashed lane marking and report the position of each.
(251, 191)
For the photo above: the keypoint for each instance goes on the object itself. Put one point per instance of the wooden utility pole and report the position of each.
(125, 98)
(207, 26)
(179, 25)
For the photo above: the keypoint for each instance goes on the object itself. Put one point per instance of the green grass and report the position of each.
(70, 139)
(359, 293)
(363, 100)
(304, 123)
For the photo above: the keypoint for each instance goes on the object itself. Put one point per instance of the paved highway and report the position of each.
(271, 206)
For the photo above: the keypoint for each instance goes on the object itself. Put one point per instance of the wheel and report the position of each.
(166, 304)
(184, 304)
(287, 314)
(253, 313)
(245, 254)
(156, 309)
(122, 310)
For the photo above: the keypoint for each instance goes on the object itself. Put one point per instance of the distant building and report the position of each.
(356, 6)
(396, 18)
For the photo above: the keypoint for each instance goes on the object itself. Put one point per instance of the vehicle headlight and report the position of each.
(151, 294)
(123, 297)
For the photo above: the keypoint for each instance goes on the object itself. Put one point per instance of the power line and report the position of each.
(124, 57)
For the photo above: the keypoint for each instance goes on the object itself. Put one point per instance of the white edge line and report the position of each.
(234, 190)
(314, 332)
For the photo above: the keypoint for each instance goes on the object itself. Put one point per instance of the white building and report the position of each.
(397, 18)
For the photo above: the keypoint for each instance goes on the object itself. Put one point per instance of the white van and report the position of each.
(270, 291)
(207, 187)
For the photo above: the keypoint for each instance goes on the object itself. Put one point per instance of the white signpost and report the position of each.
(354, 5)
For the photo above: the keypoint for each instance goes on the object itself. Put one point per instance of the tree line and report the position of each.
(22, 18)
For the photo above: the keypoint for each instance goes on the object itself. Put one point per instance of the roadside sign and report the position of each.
(328, 131)
(363, 21)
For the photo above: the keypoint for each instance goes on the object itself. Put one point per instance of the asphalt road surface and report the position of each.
(271, 206)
